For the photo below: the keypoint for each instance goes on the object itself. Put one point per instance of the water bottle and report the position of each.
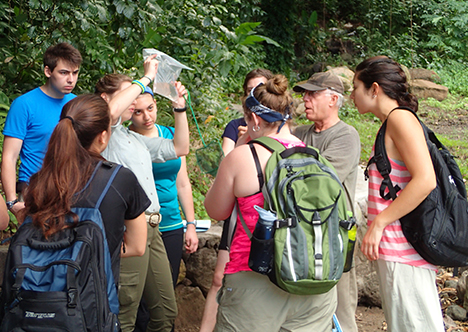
(264, 229)
(351, 243)
(262, 242)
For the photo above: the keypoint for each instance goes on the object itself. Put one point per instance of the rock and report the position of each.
(456, 312)
(424, 74)
(318, 67)
(366, 277)
(367, 281)
(190, 304)
(451, 283)
(182, 272)
(407, 72)
(201, 264)
(200, 267)
(461, 287)
(448, 322)
(345, 74)
(427, 89)
(300, 109)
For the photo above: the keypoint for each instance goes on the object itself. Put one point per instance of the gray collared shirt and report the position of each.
(137, 153)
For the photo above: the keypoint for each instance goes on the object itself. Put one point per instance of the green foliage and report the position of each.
(223, 40)
(452, 75)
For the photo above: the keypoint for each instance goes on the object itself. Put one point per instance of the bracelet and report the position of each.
(151, 81)
(180, 110)
(194, 223)
(141, 85)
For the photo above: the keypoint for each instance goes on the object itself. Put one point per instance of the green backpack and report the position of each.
(311, 230)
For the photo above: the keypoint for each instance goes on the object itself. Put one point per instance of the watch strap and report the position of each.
(10, 204)
(180, 110)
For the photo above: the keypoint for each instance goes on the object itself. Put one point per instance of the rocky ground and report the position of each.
(452, 296)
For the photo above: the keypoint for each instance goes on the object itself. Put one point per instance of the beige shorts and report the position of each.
(249, 301)
(409, 297)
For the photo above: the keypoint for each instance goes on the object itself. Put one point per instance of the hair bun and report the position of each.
(277, 85)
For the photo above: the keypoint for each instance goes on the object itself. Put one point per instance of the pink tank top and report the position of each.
(240, 246)
(393, 247)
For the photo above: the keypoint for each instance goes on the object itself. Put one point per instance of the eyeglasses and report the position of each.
(312, 94)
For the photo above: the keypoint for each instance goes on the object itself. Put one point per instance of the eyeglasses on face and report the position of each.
(312, 94)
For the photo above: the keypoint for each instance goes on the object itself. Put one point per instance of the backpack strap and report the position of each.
(247, 230)
(382, 161)
(261, 180)
(116, 168)
(232, 226)
(108, 173)
(318, 256)
(72, 291)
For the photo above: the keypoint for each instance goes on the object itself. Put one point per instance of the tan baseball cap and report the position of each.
(321, 81)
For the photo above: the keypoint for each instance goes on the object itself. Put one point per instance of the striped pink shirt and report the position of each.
(393, 247)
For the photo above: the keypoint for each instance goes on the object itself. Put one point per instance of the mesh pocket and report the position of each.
(261, 255)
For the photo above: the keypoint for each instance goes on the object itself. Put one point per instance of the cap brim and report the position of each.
(308, 87)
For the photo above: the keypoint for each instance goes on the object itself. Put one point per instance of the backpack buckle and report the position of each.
(288, 222)
(348, 224)
(72, 295)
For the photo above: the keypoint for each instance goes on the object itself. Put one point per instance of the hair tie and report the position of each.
(69, 118)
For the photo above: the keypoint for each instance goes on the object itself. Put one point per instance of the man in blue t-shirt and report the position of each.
(32, 118)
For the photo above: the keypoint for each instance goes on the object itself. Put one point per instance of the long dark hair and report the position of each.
(390, 77)
(68, 163)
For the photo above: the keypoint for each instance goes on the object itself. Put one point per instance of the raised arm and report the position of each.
(134, 243)
(184, 191)
(181, 130)
(11, 149)
(124, 99)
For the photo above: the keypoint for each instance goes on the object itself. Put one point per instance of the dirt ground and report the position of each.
(370, 319)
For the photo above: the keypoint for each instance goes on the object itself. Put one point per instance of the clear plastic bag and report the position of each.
(168, 71)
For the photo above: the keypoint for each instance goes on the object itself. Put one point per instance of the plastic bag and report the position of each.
(168, 71)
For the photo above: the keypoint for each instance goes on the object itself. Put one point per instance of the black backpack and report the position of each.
(64, 283)
(438, 227)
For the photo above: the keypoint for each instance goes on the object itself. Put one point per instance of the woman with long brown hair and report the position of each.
(72, 155)
(407, 282)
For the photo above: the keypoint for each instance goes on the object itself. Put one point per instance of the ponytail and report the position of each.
(390, 77)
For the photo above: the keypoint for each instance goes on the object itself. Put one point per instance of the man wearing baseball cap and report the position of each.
(339, 143)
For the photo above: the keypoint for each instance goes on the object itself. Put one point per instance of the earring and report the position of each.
(373, 96)
(256, 128)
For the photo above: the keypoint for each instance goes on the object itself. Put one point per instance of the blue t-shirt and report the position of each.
(165, 175)
(32, 118)
(231, 131)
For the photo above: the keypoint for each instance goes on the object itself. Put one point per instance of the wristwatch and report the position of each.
(10, 204)
(192, 223)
